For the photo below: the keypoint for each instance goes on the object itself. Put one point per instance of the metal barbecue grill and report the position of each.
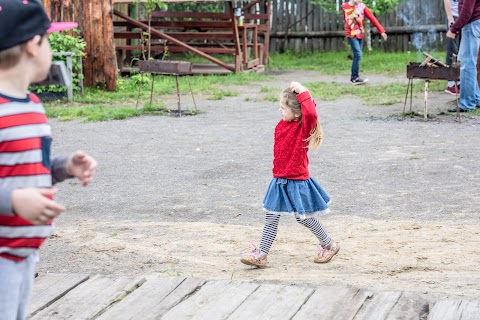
(172, 68)
(430, 69)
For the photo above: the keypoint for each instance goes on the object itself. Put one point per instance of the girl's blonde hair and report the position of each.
(290, 99)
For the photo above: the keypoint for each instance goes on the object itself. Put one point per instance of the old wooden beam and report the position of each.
(90, 298)
(214, 300)
(153, 299)
(272, 301)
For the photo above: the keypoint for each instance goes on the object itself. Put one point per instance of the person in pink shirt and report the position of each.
(292, 191)
(354, 13)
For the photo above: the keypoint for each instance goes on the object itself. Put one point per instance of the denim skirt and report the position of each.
(303, 198)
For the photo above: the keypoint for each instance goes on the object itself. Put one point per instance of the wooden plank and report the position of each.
(90, 298)
(215, 300)
(383, 306)
(409, 306)
(192, 15)
(253, 63)
(333, 303)
(48, 288)
(178, 24)
(184, 36)
(380, 306)
(135, 1)
(172, 48)
(455, 310)
(153, 299)
(272, 302)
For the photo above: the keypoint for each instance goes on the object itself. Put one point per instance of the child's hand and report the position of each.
(297, 87)
(384, 36)
(34, 206)
(81, 166)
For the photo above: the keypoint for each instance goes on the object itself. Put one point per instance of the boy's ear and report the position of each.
(32, 45)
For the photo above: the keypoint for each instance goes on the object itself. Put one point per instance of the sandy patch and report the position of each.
(435, 260)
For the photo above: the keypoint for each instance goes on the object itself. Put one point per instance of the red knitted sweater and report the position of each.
(290, 159)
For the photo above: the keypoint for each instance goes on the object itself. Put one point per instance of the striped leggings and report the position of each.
(271, 226)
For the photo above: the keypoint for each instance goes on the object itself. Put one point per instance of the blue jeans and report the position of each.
(470, 93)
(357, 45)
(16, 284)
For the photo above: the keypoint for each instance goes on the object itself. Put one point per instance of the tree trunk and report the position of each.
(94, 18)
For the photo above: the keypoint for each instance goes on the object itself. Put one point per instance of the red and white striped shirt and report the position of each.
(25, 139)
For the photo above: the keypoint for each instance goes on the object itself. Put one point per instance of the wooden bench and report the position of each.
(209, 33)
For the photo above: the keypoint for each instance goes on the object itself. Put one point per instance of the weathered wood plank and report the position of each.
(409, 306)
(333, 303)
(379, 306)
(90, 298)
(50, 287)
(215, 300)
(271, 301)
(392, 306)
(153, 299)
(455, 310)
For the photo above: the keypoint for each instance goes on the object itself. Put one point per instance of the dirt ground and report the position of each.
(182, 196)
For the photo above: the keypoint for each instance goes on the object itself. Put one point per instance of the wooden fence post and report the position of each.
(94, 18)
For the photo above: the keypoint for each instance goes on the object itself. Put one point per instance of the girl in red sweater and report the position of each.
(292, 191)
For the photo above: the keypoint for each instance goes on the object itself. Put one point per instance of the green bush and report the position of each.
(62, 42)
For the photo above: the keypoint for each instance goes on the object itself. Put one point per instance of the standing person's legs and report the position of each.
(468, 53)
(452, 46)
(16, 284)
(356, 45)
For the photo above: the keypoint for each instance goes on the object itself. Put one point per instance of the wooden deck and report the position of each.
(76, 296)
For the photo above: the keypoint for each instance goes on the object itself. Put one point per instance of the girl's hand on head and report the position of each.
(297, 87)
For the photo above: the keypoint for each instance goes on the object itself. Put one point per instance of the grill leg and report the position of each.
(138, 94)
(456, 99)
(191, 91)
(178, 95)
(425, 108)
(406, 96)
(411, 94)
(151, 90)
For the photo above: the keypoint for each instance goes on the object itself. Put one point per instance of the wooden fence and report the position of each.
(298, 25)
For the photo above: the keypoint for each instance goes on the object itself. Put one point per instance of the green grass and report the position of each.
(339, 63)
(370, 94)
(99, 105)
(218, 94)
